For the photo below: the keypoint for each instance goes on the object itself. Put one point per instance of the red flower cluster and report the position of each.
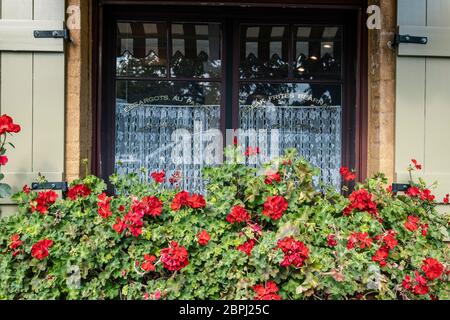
(148, 264)
(424, 195)
(247, 247)
(432, 268)
(295, 252)
(43, 201)
(360, 239)
(103, 205)
(238, 214)
(446, 199)
(40, 249)
(15, 244)
(272, 177)
(158, 176)
(7, 125)
(331, 240)
(175, 257)
(203, 237)
(268, 292)
(412, 224)
(274, 207)
(183, 198)
(419, 288)
(147, 206)
(26, 189)
(131, 221)
(79, 190)
(347, 174)
(361, 200)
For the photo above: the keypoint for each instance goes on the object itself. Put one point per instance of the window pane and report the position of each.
(302, 116)
(264, 52)
(153, 118)
(318, 52)
(195, 50)
(141, 49)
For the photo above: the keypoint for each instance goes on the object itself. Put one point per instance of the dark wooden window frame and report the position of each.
(348, 13)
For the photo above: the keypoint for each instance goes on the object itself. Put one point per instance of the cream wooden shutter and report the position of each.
(32, 90)
(423, 92)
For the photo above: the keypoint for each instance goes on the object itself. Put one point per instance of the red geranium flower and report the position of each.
(361, 200)
(331, 240)
(40, 249)
(3, 160)
(26, 189)
(203, 237)
(196, 201)
(175, 257)
(43, 201)
(148, 264)
(346, 174)
(381, 256)
(361, 238)
(119, 226)
(158, 176)
(7, 125)
(272, 177)
(175, 177)
(295, 252)
(424, 229)
(432, 268)
(247, 247)
(180, 200)
(446, 199)
(413, 191)
(417, 165)
(15, 244)
(427, 196)
(274, 207)
(407, 283)
(268, 292)
(149, 205)
(103, 205)
(412, 223)
(79, 190)
(238, 214)
(421, 287)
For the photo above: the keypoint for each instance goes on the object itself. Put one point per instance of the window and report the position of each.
(181, 81)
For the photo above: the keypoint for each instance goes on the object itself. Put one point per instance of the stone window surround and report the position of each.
(381, 94)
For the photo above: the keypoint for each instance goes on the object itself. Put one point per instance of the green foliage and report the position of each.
(90, 260)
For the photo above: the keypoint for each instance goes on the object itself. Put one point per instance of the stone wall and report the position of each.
(381, 104)
(78, 93)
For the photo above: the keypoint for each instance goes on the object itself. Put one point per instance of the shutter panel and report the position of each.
(32, 90)
(423, 92)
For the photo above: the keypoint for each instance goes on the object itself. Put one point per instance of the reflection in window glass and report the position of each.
(264, 52)
(318, 52)
(141, 49)
(303, 116)
(195, 50)
(157, 122)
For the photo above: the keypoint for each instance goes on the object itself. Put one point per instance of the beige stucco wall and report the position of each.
(381, 93)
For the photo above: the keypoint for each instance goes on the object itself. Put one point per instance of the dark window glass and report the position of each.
(264, 51)
(141, 49)
(318, 52)
(195, 50)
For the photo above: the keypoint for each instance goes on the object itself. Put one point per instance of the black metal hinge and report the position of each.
(55, 34)
(63, 186)
(400, 187)
(400, 38)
